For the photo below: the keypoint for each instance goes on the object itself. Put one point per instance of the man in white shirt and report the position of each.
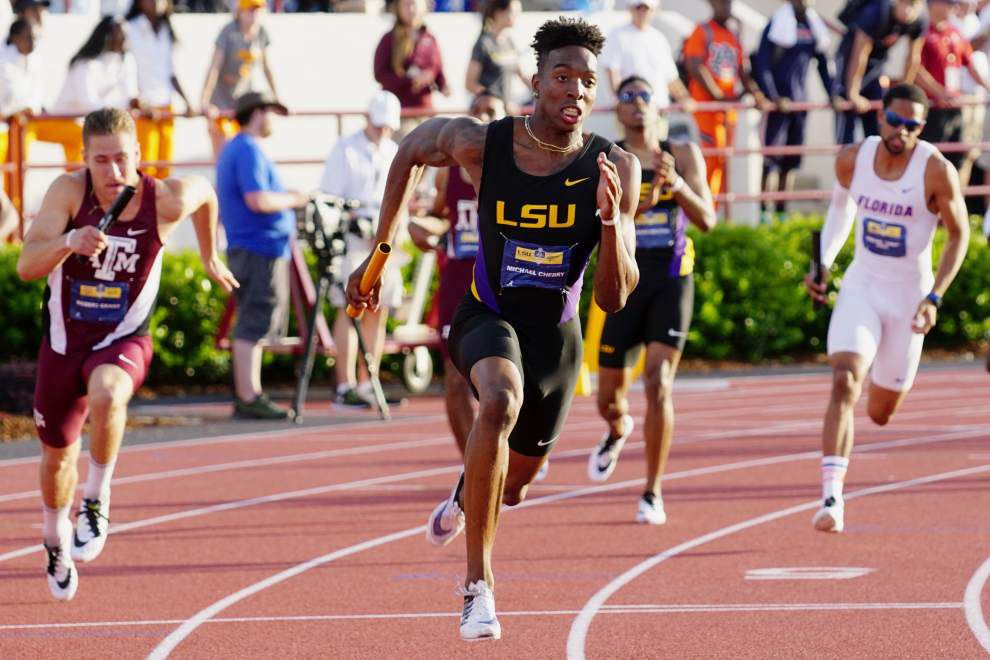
(356, 169)
(639, 49)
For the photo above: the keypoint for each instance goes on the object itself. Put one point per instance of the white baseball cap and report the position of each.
(384, 110)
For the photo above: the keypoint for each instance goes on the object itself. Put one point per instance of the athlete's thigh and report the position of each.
(898, 356)
(477, 333)
(668, 317)
(855, 326)
(623, 332)
(60, 405)
(120, 368)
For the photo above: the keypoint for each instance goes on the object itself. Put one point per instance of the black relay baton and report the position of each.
(816, 261)
(116, 208)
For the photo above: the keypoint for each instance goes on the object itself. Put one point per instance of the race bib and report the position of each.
(654, 229)
(888, 239)
(540, 266)
(98, 302)
(465, 237)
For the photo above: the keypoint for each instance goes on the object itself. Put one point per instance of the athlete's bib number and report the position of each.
(888, 239)
(98, 302)
(654, 229)
(465, 235)
(540, 266)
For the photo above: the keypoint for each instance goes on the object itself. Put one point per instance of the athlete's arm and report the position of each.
(439, 142)
(942, 186)
(193, 195)
(695, 197)
(838, 221)
(46, 244)
(618, 186)
(856, 69)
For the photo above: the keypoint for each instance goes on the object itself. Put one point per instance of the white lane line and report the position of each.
(609, 609)
(974, 609)
(176, 636)
(578, 634)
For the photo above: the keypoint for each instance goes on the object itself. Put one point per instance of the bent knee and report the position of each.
(845, 386)
(880, 416)
(514, 495)
(499, 406)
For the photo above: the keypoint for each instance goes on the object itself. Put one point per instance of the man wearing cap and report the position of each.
(356, 169)
(256, 211)
(639, 49)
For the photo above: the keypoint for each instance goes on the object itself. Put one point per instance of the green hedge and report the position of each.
(750, 305)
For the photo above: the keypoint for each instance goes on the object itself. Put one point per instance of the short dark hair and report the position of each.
(633, 79)
(561, 32)
(907, 92)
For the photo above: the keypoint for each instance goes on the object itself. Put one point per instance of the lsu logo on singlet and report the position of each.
(646, 189)
(536, 216)
(117, 258)
(888, 239)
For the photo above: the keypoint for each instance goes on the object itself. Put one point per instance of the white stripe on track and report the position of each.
(176, 637)
(608, 609)
(578, 634)
(973, 605)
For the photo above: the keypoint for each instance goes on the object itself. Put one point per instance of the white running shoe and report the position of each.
(447, 519)
(542, 473)
(92, 523)
(650, 511)
(830, 518)
(478, 620)
(602, 461)
(63, 579)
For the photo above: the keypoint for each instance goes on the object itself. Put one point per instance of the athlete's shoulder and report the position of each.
(67, 190)
(940, 174)
(845, 163)
(461, 138)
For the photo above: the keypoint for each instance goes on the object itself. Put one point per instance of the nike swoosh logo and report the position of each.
(544, 443)
(64, 584)
(135, 232)
(676, 333)
(569, 183)
(76, 542)
(123, 358)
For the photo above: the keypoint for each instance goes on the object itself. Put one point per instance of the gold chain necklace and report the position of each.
(546, 145)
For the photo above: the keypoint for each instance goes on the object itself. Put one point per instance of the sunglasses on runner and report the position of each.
(630, 97)
(896, 121)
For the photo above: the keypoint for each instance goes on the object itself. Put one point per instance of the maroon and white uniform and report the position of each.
(457, 269)
(97, 311)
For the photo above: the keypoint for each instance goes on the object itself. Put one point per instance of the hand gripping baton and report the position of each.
(371, 275)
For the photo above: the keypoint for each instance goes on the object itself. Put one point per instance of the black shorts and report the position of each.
(783, 129)
(547, 356)
(659, 310)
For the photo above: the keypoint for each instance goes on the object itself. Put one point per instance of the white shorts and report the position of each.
(357, 251)
(873, 318)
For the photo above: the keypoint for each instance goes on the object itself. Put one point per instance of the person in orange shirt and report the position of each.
(714, 60)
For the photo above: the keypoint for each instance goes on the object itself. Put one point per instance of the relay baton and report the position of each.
(371, 275)
(816, 260)
(116, 208)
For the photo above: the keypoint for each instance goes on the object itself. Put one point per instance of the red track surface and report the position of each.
(309, 543)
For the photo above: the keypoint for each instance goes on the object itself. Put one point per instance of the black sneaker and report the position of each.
(351, 399)
(261, 408)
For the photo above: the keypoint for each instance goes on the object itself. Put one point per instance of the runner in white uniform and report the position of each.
(895, 188)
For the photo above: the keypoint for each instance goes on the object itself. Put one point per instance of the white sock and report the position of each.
(365, 389)
(98, 479)
(55, 524)
(833, 476)
(343, 387)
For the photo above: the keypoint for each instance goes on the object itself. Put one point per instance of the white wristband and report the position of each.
(68, 238)
(676, 186)
(611, 221)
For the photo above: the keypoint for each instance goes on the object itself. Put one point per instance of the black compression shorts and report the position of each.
(659, 309)
(547, 356)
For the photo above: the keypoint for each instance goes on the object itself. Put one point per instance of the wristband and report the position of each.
(676, 186)
(934, 299)
(611, 221)
(68, 238)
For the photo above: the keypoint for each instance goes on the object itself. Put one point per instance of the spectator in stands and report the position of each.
(151, 39)
(795, 35)
(102, 74)
(967, 21)
(944, 56)
(714, 60)
(21, 88)
(495, 57)
(408, 62)
(239, 61)
(873, 28)
(33, 11)
(356, 169)
(639, 49)
(257, 217)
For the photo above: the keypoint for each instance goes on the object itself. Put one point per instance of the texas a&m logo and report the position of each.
(118, 257)
(537, 216)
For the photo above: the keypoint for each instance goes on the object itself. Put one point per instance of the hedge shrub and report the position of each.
(750, 305)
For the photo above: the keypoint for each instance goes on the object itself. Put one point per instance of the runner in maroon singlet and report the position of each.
(99, 297)
(457, 203)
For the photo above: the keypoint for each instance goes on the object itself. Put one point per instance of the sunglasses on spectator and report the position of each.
(896, 121)
(630, 97)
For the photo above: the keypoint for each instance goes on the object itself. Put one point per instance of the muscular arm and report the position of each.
(438, 142)
(617, 274)
(46, 245)
(841, 210)
(942, 182)
(695, 198)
